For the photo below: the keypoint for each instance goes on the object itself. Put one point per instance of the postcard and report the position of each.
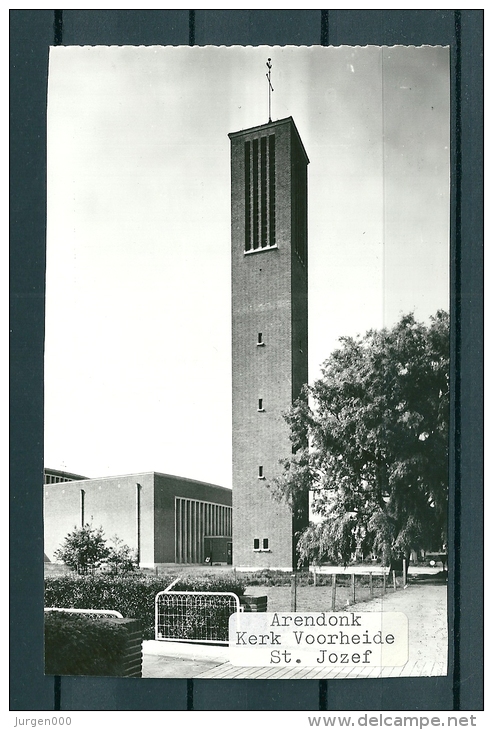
(247, 361)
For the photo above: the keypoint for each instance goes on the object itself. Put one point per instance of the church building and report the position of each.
(168, 519)
(164, 519)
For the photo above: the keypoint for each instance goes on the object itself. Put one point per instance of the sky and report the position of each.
(138, 279)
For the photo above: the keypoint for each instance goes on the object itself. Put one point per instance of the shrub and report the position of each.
(131, 594)
(121, 558)
(81, 644)
(303, 578)
(84, 549)
(211, 583)
(276, 578)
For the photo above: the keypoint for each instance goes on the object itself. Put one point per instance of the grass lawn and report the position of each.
(315, 598)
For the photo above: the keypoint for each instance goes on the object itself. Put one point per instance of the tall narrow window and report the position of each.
(255, 193)
(261, 472)
(256, 544)
(272, 190)
(263, 192)
(260, 405)
(260, 193)
(265, 543)
(248, 205)
(259, 339)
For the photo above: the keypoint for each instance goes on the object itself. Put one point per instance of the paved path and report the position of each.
(167, 667)
(180, 660)
(426, 609)
(425, 606)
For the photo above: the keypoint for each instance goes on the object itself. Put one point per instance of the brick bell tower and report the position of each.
(270, 332)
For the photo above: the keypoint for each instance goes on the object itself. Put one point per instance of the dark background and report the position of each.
(31, 34)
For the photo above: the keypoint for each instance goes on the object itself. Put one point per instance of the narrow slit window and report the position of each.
(263, 192)
(265, 543)
(255, 196)
(260, 340)
(256, 544)
(248, 205)
(272, 190)
(260, 193)
(261, 472)
(260, 404)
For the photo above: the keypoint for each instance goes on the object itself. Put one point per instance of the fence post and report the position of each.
(404, 572)
(394, 579)
(353, 588)
(314, 575)
(371, 585)
(384, 584)
(293, 592)
(334, 582)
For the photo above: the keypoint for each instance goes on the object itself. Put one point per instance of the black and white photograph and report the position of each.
(247, 361)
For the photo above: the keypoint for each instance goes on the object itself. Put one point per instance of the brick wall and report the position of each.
(269, 296)
(131, 661)
(254, 604)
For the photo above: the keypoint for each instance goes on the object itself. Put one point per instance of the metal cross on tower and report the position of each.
(269, 66)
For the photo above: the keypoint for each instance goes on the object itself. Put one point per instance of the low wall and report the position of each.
(79, 645)
(131, 662)
(254, 604)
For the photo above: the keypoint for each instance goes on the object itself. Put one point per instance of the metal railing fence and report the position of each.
(194, 616)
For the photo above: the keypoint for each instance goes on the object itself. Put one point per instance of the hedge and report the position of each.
(81, 644)
(132, 595)
(305, 578)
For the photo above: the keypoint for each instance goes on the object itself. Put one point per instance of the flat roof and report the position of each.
(59, 473)
(141, 474)
(277, 123)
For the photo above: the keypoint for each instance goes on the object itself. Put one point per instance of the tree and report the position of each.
(370, 442)
(121, 558)
(84, 549)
